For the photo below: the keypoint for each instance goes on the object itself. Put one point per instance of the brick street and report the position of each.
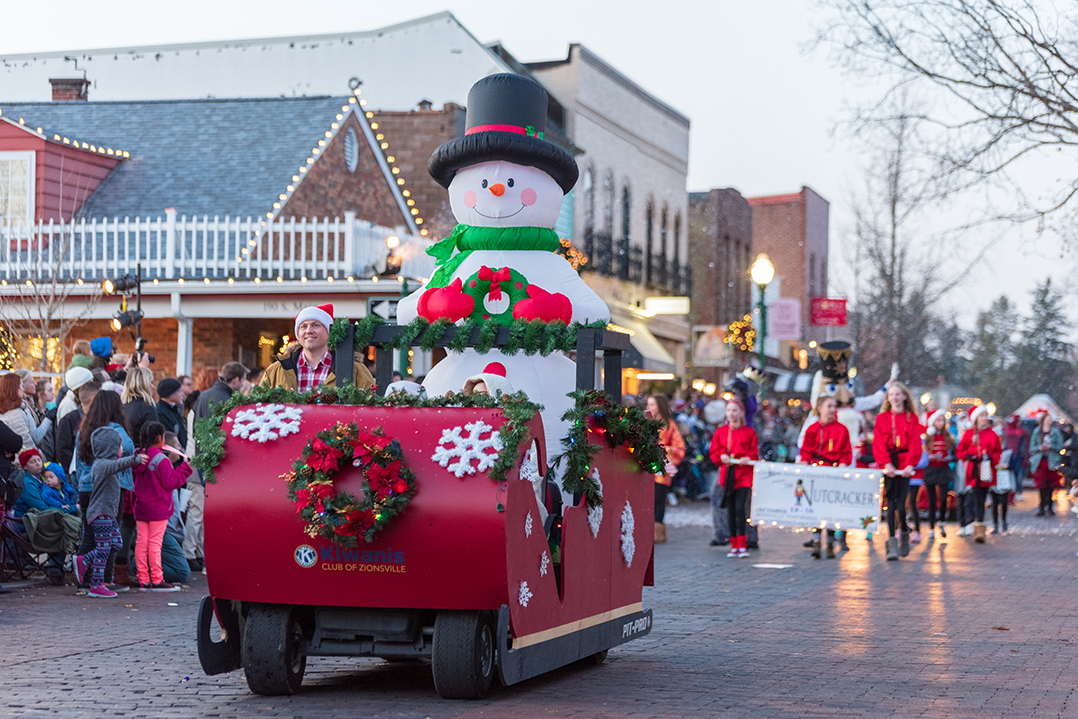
(954, 630)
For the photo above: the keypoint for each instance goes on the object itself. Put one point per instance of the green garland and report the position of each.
(516, 409)
(628, 426)
(530, 337)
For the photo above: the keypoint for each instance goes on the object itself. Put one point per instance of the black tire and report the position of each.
(271, 650)
(462, 656)
(598, 657)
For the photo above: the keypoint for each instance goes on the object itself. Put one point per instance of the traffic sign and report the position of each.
(384, 307)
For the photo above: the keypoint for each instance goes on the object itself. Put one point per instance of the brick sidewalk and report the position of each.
(954, 630)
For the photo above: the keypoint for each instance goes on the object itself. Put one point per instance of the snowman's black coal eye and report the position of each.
(484, 184)
(509, 182)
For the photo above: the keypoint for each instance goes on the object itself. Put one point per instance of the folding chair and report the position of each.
(18, 558)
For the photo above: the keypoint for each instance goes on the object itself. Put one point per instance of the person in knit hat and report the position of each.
(938, 474)
(31, 462)
(74, 378)
(490, 381)
(981, 449)
(308, 363)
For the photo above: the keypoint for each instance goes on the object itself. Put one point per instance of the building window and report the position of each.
(812, 276)
(588, 185)
(16, 188)
(660, 261)
(676, 262)
(649, 240)
(624, 238)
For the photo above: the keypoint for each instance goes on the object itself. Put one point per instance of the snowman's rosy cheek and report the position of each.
(469, 199)
(528, 196)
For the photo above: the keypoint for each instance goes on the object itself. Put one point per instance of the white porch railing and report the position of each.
(172, 247)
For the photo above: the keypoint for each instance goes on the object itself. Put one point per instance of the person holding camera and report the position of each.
(138, 399)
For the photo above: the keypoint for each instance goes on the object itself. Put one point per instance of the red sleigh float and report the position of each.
(468, 575)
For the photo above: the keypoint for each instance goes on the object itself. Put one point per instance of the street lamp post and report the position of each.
(762, 272)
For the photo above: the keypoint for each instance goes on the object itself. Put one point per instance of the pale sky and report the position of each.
(763, 108)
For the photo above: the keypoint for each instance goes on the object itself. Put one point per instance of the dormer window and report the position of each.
(16, 188)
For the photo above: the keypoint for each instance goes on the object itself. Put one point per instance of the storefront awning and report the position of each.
(646, 352)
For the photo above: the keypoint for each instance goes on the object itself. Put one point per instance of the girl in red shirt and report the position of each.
(938, 474)
(732, 447)
(981, 449)
(896, 446)
(826, 442)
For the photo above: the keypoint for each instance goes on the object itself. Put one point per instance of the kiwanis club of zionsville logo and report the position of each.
(343, 559)
(305, 556)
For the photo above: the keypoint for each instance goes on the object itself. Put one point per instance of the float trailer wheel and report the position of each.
(462, 657)
(271, 650)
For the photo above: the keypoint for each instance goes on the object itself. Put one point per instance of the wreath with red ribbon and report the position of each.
(388, 484)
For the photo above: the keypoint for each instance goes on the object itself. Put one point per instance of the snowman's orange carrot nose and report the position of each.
(497, 190)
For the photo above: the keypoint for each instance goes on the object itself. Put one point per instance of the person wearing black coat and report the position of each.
(138, 401)
(170, 406)
(10, 444)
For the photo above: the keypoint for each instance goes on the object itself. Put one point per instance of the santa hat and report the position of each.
(977, 411)
(493, 376)
(26, 454)
(322, 313)
(932, 420)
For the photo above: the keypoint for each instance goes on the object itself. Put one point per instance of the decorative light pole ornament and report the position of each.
(506, 185)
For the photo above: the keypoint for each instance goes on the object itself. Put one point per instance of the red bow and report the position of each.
(494, 278)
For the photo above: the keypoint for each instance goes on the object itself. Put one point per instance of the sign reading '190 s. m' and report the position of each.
(796, 495)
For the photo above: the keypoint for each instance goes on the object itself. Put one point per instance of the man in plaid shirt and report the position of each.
(311, 364)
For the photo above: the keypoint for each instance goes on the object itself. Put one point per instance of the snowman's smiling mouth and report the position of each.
(500, 217)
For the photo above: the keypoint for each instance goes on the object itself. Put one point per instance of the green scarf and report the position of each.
(468, 238)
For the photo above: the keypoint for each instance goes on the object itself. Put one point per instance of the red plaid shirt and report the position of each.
(311, 377)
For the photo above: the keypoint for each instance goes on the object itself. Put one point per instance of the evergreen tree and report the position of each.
(992, 365)
(1042, 352)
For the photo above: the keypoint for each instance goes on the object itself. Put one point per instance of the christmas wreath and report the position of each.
(338, 516)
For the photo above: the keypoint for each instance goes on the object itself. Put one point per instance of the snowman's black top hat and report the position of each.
(505, 120)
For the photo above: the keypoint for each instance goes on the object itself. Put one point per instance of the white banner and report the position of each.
(799, 495)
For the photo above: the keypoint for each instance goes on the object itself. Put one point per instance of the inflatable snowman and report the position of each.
(506, 185)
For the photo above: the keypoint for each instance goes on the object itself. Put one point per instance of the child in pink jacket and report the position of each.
(154, 484)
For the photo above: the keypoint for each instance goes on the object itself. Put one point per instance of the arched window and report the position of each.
(588, 186)
(649, 240)
(624, 237)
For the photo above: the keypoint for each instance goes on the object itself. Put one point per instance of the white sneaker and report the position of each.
(671, 499)
(743, 553)
(733, 553)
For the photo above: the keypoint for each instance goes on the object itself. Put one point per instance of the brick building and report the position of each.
(240, 212)
(793, 231)
(720, 237)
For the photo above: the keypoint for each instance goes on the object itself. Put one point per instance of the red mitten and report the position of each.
(449, 302)
(543, 305)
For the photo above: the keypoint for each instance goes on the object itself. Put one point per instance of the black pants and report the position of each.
(896, 489)
(661, 490)
(999, 501)
(980, 494)
(1046, 498)
(934, 492)
(736, 512)
(913, 493)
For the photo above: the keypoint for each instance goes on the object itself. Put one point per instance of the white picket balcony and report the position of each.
(170, 248)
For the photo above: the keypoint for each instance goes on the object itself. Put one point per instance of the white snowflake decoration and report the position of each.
(265, 422)
(628, 524)
(525, 594)
(467, 448)
(529, 470)
(528, 525)
(544, 563)
(595, 514)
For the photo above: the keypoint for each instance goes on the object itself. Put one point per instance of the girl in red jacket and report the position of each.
(732, 447)
(155, 482)
(938, 474)
(981, 449)
(828, 443)
(896, 446)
